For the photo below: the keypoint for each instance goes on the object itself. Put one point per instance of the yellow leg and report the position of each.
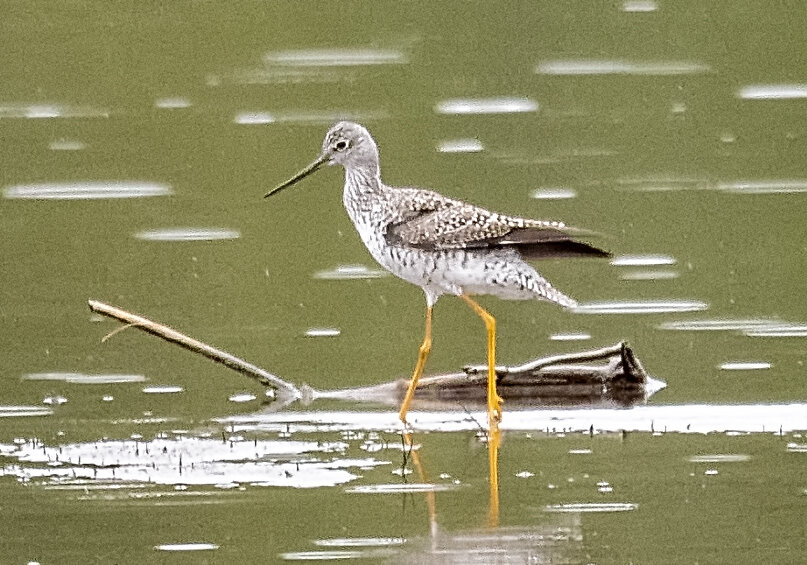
(423, 354)
(494, 439)
(494, 400)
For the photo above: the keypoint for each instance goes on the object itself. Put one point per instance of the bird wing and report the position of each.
(435, 222)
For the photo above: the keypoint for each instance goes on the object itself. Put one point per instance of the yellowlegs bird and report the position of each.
(442, 245)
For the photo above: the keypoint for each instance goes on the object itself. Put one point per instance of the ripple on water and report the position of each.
(82, 379)
(619, 67)
(773, 91)
(500, 105)
(254, 118)
(23, 411)
(328, 117)
(469, 145)
(570, 337)
(652, 275)
(46, 110)
(719, 325)
(242, 397)
(778, 330)
(398, 488)
(360, 542)
(642, 260)
(641, 307)
(349, 272)
(187, 234)
(337, 555)
(553, 193)
(163, 389)
(634, 6)
(583, 507)
(323, 332)
(767, 186)
(172, 103)
(335, 57)
(186, 547)
(744, 365)
(86, 190)
(66, 145)
(719, 458)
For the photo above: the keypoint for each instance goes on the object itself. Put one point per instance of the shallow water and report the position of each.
(137, 146)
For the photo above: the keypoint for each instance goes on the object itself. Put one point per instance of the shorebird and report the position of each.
(442, 245)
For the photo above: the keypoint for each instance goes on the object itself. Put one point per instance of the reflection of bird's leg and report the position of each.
(494, 400)
(423, 354)
(431, 501)
(494, 438)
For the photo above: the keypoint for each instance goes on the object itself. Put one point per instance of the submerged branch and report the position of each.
(610, 375)
(169, 334)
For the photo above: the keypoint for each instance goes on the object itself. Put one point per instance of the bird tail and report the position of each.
(550, 293)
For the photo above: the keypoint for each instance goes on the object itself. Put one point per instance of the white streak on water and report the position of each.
(86, 190)
(501, 105)
(46, 110)
(619, 67)
(644, 6)
(773, 91)
(322, 332)
(640, 307)
(186, 547)
(764, 186)
(553, 193)
(188, 234)
(350, 272)
(642, 260)
(469, 145)
(163, 389)
(744, 365)
(80, 378)
(335, 57)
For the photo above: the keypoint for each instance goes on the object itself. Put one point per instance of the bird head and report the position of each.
(348, 144)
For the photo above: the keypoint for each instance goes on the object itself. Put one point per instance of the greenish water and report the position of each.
(676, 129)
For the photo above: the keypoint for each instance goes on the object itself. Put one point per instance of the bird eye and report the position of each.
(341, 145)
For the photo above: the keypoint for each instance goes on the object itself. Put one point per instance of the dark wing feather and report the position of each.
(456, 225)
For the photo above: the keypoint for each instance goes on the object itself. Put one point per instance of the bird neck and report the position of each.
(363, 180)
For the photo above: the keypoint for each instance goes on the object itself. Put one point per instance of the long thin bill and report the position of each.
(321, 160)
